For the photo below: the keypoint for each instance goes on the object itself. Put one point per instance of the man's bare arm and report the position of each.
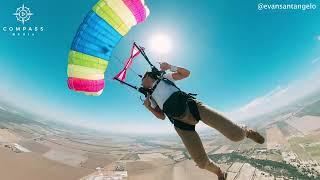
(155, 111)
(178, 72)
(181, 73)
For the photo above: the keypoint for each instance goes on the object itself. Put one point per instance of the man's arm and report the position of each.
(155, 111)
(178, 72)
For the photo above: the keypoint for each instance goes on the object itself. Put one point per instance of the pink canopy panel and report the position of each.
(137, 9)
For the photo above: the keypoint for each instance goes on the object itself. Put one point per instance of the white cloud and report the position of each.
(278, 97)
(260, 101)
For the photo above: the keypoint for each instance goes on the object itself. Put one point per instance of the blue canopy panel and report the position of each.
(96, 37)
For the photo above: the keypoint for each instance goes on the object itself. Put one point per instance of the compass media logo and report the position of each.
(23, 16)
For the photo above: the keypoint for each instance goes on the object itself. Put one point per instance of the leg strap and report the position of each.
(194, 109)
(182, 125)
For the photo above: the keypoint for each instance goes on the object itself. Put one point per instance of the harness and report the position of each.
(176, 105)
(184, 99)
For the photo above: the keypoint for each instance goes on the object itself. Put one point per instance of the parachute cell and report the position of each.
(97, 36)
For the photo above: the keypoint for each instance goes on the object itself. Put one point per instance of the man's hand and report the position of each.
(156, 111)
(147, 102)
(164, 66)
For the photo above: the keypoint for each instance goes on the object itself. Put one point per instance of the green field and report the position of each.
(299, 146)
(273, 167)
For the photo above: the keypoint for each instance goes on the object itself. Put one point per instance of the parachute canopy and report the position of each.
(97, 36)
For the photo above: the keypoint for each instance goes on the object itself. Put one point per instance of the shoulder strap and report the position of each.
(166, 80)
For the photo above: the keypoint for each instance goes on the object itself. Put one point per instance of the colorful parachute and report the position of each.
(97, 36)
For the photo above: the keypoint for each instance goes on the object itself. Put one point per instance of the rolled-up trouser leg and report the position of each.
(193, 143)
(215, 120)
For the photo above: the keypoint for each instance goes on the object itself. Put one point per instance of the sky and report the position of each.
(243, 61)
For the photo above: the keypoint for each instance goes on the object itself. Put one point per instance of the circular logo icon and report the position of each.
(23, 14)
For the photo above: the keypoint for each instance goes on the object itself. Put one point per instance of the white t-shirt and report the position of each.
(162, 92)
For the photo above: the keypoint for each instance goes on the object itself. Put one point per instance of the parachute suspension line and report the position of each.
(130, 68)
(141, 49)
(154, 70)
(125, 83)
(120, 77)
(110, 78)
(129, 86)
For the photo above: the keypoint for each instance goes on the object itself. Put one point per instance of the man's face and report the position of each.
(147, 82)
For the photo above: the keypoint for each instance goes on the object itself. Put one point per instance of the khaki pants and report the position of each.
(192, 141)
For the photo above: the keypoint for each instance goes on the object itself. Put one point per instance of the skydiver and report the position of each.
(184, 111)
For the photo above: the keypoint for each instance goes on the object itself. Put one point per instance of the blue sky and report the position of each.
(236, 54)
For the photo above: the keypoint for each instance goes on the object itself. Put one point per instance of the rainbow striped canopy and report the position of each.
(97, 36)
